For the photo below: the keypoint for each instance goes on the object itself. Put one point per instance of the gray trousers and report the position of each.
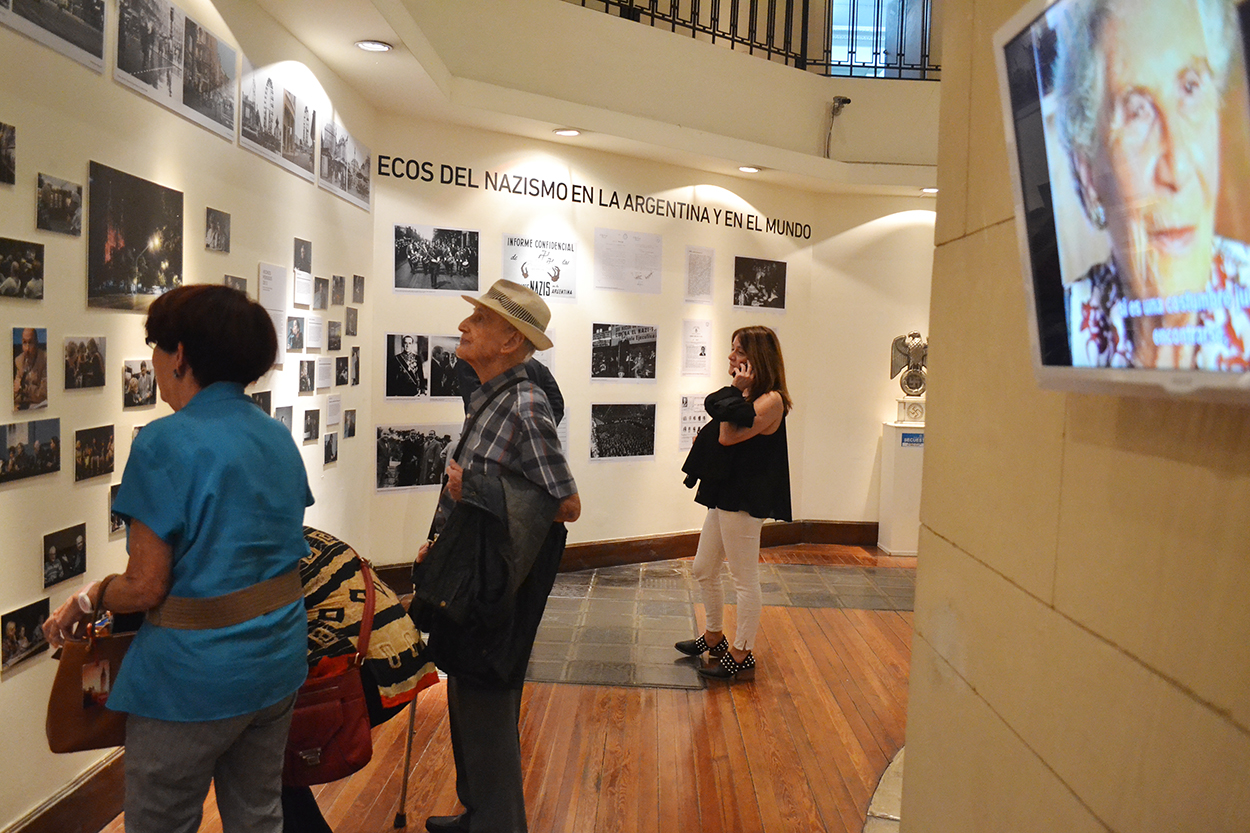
(486, 745)
(169, 767)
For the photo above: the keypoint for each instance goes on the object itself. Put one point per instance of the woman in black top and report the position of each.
(741, 463)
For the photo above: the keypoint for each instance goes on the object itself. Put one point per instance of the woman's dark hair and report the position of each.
(225, 336)
(763, 350)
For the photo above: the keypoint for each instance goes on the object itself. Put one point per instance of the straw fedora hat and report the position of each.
(521, 307)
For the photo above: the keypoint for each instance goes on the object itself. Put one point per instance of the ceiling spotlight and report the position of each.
(567, 132)
(929, 191)
(748, 169)
(374, 45)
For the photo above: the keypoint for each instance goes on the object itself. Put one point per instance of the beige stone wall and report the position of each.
(1081, 658)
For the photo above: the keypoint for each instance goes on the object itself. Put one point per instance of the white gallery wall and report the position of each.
(861, 279)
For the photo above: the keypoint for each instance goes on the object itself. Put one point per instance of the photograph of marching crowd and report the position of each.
(428, 258)
(23, 633)
(33, 448)
(64, 554)
(618, 431)
(759, 283)
(84, 362)
(622, 351)
(414, 456)
(93, 452)
(58, 206)
(134, 240)
(21, 269)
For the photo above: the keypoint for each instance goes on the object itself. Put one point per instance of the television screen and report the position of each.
(1128, 130)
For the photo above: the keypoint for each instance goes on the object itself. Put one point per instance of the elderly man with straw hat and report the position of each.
(508, 432)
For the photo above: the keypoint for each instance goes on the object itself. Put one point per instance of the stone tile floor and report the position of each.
(617, 625)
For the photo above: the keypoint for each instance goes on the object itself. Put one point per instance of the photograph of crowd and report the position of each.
(342, 370)
(30, 368)
(414, 456)
(622, 351)
(21, 269)
(334, 336)
(134, 240)
(23, 633)
(349, 424)
(428, 258)
(286, 415)
(84, 362)
(138, 384)
(294, 332)
(345, 164)
(217, 232)
(263, 400)
(618, 431)
(312, 424)
(331, 448)
(93, 452)
(338, 290)
(358, 289)
(321, 293)
(276, 124)
(307, 376)
(352, 321)
(32, 448)
(116, 522)
(58, 206)
(8, 154)
(759, 283)
(75, 30)
(64, 554)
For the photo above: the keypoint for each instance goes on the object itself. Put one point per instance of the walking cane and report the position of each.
(401, 818)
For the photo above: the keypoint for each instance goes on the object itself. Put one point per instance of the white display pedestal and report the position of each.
(902, 461)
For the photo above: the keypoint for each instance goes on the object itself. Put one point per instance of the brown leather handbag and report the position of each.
(330, 737)
(77, 717)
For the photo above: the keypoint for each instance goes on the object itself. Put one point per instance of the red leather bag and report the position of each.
(330, 737)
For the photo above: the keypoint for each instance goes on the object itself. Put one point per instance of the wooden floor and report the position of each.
(799, 749)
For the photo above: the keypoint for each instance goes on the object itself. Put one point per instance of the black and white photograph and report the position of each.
(312, 424)
(759, 283)
(331, 443)
(350, 324)
(31, 449)
(443, 370)
(334, 336)
(358, 289)
(345, 164)
(84, 362)
(30, 368)
(286, 415)
(338, 290)
(276, 123)
(138, 383)
(236, 283)
(58, 206)
(355, 365)
(64, 554)
(116, 522)
(134, 240)
(264, 401)
(414, 456)
(622, 351)
(429, 259)
(217, 231)
(302, 254)
(406, 356)
(342, 370)
(93, 452)
(307, 376)
(21, 269)
(321, 293)
(8, 154)
(23, 633)
(622, 431)
(349, 424)
(76, 30)
(294, 332)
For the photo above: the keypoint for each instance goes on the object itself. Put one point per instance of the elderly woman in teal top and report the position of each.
(213, 498)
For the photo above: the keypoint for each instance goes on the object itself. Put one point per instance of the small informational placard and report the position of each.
(693, 418)
(325, 372)
(911, 439)
(695, 360)
(334, 409)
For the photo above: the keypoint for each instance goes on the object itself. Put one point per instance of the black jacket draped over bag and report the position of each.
(482, 588)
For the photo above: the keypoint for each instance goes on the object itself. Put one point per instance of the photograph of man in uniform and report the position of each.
(405, 365)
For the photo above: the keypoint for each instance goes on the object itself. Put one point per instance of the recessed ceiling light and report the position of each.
(374, 45)
(929, 191)
(567, 132)
(748, 169)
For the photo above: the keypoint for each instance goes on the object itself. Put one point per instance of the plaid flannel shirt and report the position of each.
(516, 433)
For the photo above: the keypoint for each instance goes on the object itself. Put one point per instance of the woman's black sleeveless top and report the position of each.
(756, 479)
